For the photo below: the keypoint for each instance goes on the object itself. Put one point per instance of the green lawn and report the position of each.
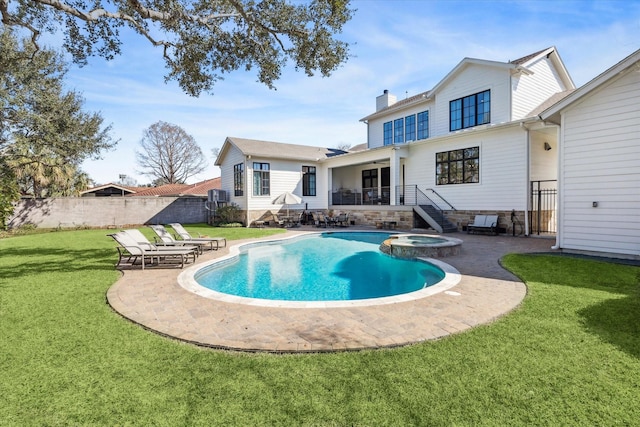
(570, 355)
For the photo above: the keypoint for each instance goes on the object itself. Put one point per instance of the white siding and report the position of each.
(473, 79)
(544, 164)
(233, 157)
(529, 91)
(376, 125)
(503, 172)
(286, 175)
(601, 163)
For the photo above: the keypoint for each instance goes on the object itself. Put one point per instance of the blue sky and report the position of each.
(405, 46)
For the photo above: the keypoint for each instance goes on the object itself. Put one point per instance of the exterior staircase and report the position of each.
(435, 218)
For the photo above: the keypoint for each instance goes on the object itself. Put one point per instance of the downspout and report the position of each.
(527, 180)
(249, 186)
(559, 227)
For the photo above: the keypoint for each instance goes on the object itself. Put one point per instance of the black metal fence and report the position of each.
(544, 198)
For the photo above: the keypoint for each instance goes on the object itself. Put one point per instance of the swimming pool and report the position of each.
(317, 270)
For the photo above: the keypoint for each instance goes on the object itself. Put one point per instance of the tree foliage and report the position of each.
(201, 39)
(44, 133)
(169, 154)
(9, 192)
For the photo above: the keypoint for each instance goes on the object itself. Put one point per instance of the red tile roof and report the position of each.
(197, 189)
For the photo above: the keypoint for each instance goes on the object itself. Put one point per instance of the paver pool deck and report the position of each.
(153, 299)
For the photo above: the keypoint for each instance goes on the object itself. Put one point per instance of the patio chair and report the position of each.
(144, 243)
(319, 219)
(165, 238)
(277, 220)
(343, 220)
(131, 250)
(185, 236)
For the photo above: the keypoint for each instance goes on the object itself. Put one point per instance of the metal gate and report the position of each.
(542, 216)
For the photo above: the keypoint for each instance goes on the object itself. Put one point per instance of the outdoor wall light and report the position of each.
(594, 204)
(547, 147)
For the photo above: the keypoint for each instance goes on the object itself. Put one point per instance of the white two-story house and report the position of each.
(473, 144)
(510, 138)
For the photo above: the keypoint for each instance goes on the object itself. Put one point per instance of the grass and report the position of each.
(570, 355)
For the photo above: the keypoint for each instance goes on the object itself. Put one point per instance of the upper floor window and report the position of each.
(387, 133)
(308, 180)
(423, 125)
(458, 166)
(238, 179)
(261, 175)
(472, 110)
(410, 128)
(398, 131)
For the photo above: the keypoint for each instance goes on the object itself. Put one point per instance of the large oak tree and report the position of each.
(201, 40)
(44, 133)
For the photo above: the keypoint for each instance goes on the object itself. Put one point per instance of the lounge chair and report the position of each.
(131, 250)
(185, 236)
(144, 243)
(165, 238)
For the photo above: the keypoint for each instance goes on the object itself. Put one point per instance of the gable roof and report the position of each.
(171, 190)
(553, 113)
(412, 100)
(519, 65)
(123, 189)
(552, 54)
(552, 100)
(527, 58)
(268, 149)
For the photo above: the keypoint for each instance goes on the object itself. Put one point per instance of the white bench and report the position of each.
(484, 223)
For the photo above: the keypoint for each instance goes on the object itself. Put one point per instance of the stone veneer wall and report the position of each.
(463, 218)
(403, 216)
(361, 215)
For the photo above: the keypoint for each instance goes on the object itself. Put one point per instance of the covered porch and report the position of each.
(374, 177)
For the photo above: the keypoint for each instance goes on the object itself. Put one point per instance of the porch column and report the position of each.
(329, 187)
(395, 175)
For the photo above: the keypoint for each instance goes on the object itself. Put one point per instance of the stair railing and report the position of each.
(423, 199)
(441, 198)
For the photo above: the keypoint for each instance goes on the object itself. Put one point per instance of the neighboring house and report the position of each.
(489, 138)
(199, 189)
(599, 149)
(110, 190)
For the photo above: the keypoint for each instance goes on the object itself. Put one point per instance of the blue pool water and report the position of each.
(334, 266)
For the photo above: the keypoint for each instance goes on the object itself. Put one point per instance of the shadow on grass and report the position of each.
(58, 260)
(614, 318)
(617, 321)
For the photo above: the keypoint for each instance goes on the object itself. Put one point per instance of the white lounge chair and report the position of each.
(142, 240)
(165, 238)
(131, 250)
(185, 236)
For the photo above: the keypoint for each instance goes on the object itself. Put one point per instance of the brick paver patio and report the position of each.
(154, 299)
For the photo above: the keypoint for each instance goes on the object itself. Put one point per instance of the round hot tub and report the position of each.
(420, 245)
